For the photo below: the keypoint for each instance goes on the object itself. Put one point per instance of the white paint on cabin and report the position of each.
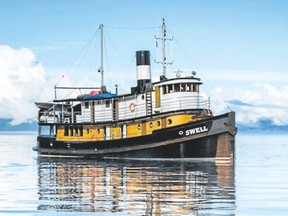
(175, 94)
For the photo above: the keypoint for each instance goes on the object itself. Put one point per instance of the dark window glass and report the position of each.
(86, 105)
(66, 131)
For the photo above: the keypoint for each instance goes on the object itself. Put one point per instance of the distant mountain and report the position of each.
(262, 125)
(26, 126)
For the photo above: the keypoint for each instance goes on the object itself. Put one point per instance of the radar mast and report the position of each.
(164, 58)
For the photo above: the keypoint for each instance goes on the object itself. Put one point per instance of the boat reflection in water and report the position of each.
(137, 187)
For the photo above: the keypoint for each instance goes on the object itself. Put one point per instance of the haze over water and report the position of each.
(256, 184)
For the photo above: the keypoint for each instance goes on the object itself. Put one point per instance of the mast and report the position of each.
(101, 69)
(163, 39)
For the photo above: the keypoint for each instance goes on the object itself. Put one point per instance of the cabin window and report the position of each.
(107, 102)
(71, 131)
(76, 131)
(66, 131)
(47, 130)
(86, 104)
(81, 130)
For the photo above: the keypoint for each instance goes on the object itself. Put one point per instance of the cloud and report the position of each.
(22, 82)
(55, 46)
(244, 75)
(253, 101)
(238, 103)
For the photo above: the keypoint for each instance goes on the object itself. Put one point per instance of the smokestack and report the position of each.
(143, 69)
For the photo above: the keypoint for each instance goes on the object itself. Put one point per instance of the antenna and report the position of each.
(101, 69)
(164, 59)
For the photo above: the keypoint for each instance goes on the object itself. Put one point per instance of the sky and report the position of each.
(239, 49)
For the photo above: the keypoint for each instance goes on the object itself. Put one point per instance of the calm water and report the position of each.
(257, 184)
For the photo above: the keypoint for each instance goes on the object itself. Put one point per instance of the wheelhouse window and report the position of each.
(164, 89)
(170, 88)
(180, 87)
(177, 87)
(188, 87)
(196, 87)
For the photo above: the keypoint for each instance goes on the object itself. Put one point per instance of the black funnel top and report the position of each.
(143, 57)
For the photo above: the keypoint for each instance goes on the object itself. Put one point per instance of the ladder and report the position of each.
(148, 97)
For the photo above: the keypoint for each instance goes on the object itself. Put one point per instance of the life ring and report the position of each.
(132, 107)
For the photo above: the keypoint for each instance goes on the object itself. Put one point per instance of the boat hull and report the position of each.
(210, 138)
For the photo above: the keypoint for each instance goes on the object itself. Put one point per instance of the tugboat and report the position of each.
(167, 119)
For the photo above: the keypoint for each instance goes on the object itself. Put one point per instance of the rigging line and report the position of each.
(117, 51)
(82, 51)
(69, 93)
(132, 28)
(92, 64)
(186, 53)
(209, 83)
(106, 62)
(80, 56)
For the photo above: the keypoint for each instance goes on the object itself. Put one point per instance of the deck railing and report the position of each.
(68, 115)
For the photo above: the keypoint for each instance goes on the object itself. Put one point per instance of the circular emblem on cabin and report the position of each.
(132, 107)
(180, 133)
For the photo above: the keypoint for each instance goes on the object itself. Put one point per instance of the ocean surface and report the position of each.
(255, 184)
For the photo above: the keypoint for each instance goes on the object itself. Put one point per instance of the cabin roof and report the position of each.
(178, 80)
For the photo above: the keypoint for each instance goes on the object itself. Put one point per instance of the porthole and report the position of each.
(158, 123)
(151, 124)
(139, 126)
(98, 130)
(169, 121)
